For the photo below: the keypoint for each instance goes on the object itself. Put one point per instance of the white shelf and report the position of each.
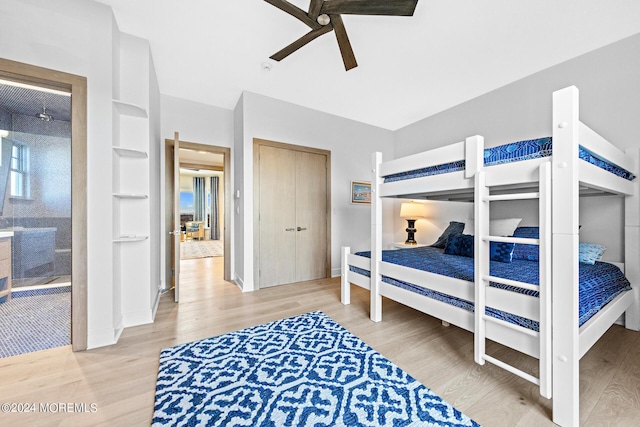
(130, 196)
(132, 238)
(130, 152)
(128, 109)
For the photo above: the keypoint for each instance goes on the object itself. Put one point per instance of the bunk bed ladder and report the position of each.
(483, 277)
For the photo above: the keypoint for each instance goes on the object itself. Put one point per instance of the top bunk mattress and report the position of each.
(513, 152)
(599, 283)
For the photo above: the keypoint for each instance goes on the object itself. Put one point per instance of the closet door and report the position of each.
(311, 216)
(277, 216)
(291, 213)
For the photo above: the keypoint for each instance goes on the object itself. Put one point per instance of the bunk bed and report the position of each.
(538, 316)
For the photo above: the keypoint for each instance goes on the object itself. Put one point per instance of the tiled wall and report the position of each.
(50, 201)
(5, 120)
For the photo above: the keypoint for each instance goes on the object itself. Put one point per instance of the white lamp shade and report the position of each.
(413, 210)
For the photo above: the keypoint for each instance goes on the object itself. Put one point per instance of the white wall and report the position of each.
(609, 103)
(238, 190)
(198, 123)
(351, 144)
(156, 150)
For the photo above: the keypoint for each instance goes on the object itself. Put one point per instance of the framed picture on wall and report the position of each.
(361, 192)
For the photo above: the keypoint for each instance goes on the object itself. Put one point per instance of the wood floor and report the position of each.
(120, 380)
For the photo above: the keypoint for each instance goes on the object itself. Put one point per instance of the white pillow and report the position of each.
(469, 226)
(504, 227)
(497, 227)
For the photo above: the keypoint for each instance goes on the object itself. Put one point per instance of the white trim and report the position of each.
(595, 143)
(376, 238)
(594, 328)
(434, 157)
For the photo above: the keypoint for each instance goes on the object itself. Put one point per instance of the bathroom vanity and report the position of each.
(5, 265)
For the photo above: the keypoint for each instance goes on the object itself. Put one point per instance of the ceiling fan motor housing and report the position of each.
(324, 19)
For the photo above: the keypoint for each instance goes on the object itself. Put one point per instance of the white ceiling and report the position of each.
(202, 159)
(450, 51)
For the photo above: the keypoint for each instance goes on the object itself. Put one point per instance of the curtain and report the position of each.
(199, 199)
(215, 227)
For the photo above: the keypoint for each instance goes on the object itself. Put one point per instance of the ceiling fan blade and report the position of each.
(311, 35)
(295, 11)
(348, 57)
(370, 7)
(314, 8)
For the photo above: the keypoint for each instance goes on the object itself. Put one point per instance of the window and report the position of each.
(19, 172)
(186, 203)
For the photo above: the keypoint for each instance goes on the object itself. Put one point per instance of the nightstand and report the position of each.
(403, 245)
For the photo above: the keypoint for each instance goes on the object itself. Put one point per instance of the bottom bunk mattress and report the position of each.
(599, 283)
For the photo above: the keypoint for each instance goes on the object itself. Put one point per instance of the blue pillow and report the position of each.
(589, 253)
(527, 252)
(459, 244)
(453, 229)
(501, 252)
(462, 244)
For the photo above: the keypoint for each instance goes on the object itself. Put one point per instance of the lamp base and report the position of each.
(411, 230)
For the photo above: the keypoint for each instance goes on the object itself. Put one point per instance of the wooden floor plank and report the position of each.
(619, 402)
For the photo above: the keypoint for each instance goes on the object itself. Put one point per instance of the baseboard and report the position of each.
(118, 330)
(239, 283)
(137, 318)
(154, 309)
(336, 272)
(103, 338)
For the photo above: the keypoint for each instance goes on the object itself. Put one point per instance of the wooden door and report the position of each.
(277, 216)
(176, 217)
(292, 214)
(311, 216)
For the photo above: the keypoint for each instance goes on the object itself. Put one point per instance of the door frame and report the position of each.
(77, 86)
(226, 173)
(257, 142)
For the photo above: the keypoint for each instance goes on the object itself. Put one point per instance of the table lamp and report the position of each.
(411, 211)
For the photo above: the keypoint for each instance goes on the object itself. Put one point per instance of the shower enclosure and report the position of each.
(35, 211)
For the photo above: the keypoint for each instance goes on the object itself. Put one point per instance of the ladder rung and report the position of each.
(511, 196)
(510, 282)
(518, 328)
(511, 369)
(505, 239)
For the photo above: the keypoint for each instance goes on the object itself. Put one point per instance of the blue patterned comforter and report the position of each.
(514, 152)
(599, 283)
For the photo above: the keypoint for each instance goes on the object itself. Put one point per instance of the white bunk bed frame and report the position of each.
(559, 180)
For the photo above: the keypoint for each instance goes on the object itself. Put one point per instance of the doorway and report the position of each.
(44, 211)
(201, 204)
(207, 162)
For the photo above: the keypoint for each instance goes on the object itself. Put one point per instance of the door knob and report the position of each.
(175, 232)
(302, 228)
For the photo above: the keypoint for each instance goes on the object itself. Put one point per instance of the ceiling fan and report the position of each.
(325, 15)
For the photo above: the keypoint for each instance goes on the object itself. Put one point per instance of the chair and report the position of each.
(195, 230)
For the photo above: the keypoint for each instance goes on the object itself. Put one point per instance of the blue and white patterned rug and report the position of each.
(301, 371)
